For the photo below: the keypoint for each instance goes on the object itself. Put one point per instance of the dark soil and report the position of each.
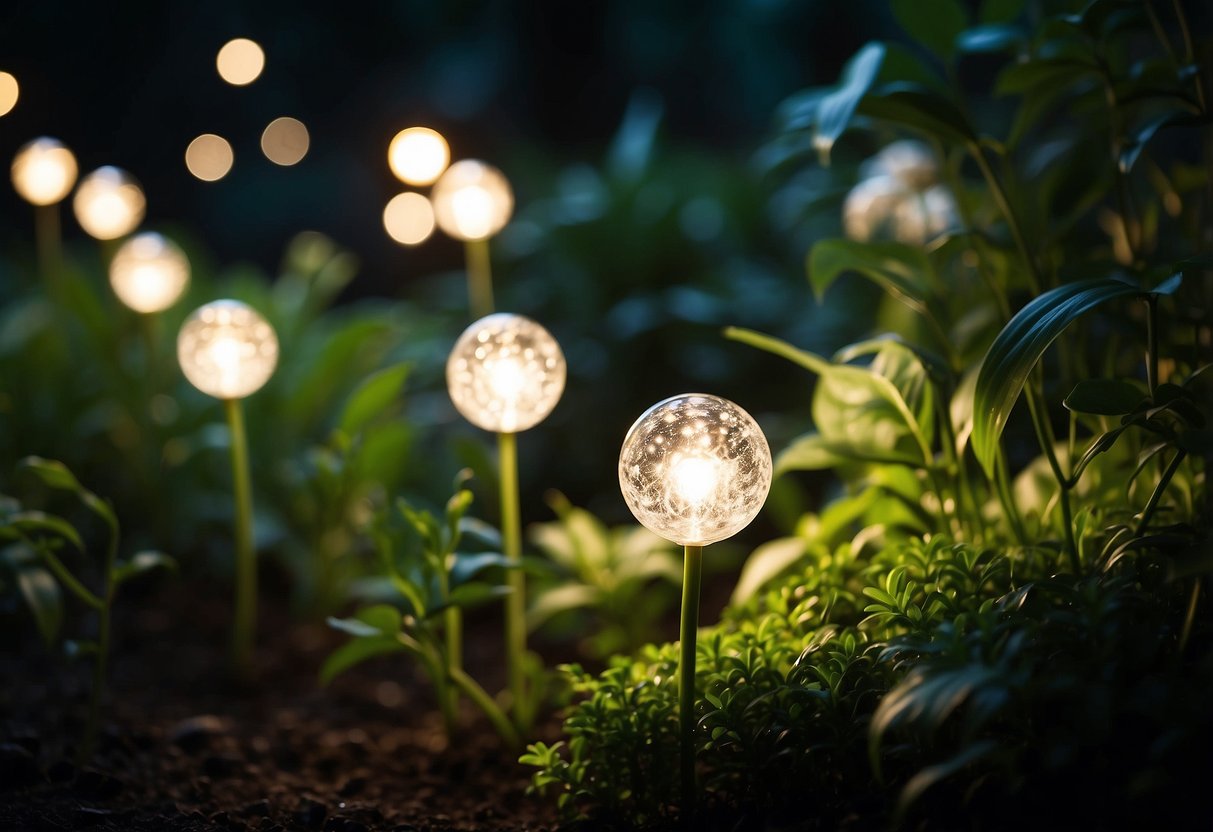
(184, 747)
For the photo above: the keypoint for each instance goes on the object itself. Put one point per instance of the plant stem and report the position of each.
(454, 646)
(1152, 342)
(1002, 487)
(485, 702)
(692, 577)
(1004, 205)
(515, 602)
(1043, 436)
(1148, 512)
(1189, 615)
(66, 577)
(480, 277)
(101, 662)
(50, 245)
(245, 621)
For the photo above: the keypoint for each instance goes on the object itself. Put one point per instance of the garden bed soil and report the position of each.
(184, 747)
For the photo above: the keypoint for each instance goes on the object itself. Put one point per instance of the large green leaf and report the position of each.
(835, 110)
(900, 269)
(55, 474)
(372, 398)
(935, 24)
(358, 651)
(142, 562)
(41, 593)
(917, 108)
(1020, 345)
(767, 561)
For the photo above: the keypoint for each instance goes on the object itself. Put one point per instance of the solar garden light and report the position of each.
(695, 469)
(43, 173)
(227, 350)
(505, 374)
(472, 202)
(109, 204)
(149, 272)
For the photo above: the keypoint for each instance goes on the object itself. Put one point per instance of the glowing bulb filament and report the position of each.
(473, 208)
(694, 479)
(225, 352)
(507, 380)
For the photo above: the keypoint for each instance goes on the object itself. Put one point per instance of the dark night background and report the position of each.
(541, 84)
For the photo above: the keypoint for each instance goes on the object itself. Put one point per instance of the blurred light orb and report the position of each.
(227, 350)
(505, 373)
(240, 61)
(209, 157)
(285, 141)
(418, 155)
(44, 171)
(109, 203)
(695, 469)
(910, 161)
(472, 200)
(409, 218)
(149, 272)
(10, 91)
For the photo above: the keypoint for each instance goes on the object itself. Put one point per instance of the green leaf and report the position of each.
(807, 453)
(900, 269)
(1020, 345)
(929, 776)
(143, 562)
(356, 652)
(935, 24)
(766, 562)
(372, 398)
(561, 599)
(994, 37)
(1001, 11)
(917, 108)
(468, 565)
(835, 110)
(55, 474)
(38, 522)
(1144, 132)
(1104, 397)
(1169, 286)
(377, 620)
(470, 595)
(45, 601)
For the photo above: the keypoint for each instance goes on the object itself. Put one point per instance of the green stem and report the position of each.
(485, 702)
(692, 577)
(454, 646)
(47, 231)
(1189, 615)
(1152, 342)
(1004, 205)
(245, 621)
(1148, 512)
(515, 602)
(100, 666)
(480, 277)
(1002, 487)
(66, 577)
(1044, 437)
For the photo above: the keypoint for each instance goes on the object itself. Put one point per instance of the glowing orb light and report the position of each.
(418, 155)
(695, 469)
(44, 171)
(240, 61)
(472, 200)
(409, 218)
(227, 350)
(505, 373)
(209, 157)
(285, 141)
(109, 204)
(10, 91)
(149, 272)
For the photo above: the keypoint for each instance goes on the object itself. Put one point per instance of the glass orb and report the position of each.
(227, 350)
(240, 61)
(149, 272)
(44, 171)
(409, 218)
(505, 373)
(909, 161)
(109, 203)
(472, 200)
(695, 469)
(418, 155)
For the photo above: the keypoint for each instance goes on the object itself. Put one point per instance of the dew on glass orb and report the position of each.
(472, 200)
(44, 171)
(695, 469)
(505, 373)
(149, 272)
(109, 203)
(227, 350)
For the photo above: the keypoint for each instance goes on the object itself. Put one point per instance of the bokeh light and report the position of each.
(209, 157)
(10, 91)
(472, 200)
(240, 61)
(149, 272)
(418, 155)
(109, 203)
(695, 469)
(44, 171)
(409, 218)
(285, 141)
(505, 373)
(227, 350)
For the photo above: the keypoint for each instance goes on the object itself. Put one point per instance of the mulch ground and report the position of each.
(184, 747)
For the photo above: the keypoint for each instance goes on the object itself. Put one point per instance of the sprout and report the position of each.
(44, 171)
(472, 200)
(227, 350)
(149, 272)
(109, 204)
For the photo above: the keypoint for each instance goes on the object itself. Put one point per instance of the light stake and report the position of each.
(472, 202)
(505, 374)
(695, 469)
(227, 350)
(44, 172)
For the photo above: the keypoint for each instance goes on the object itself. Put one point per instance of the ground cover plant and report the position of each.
(964, 291)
